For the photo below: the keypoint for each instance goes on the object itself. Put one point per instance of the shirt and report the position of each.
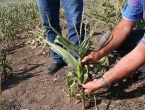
(134, 10)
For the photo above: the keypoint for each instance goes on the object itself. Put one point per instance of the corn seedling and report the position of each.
(108, 9)
(5, 68)
(80, 75)
(17, 17)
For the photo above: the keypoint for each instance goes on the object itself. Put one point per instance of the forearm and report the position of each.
(126, 65)
(117, 37)
(123, 68)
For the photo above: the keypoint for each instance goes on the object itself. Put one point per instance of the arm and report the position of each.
(117, 37)
(124, 67)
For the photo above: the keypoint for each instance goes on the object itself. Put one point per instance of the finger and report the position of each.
(86, 66)
(87, 91)
(90, 65)
(86, 58)
(83, 85)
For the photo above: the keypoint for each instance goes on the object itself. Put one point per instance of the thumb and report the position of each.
(84, 59)
(87, 91)
(83, 85)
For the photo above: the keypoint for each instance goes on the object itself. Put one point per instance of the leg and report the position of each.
(73, 12)
(49, 9)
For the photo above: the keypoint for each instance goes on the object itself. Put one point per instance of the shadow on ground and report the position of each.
(20, 76)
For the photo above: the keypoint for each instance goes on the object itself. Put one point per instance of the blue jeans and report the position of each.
(130, 43)
(73, 12)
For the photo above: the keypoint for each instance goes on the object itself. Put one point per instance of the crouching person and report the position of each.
(124, 42)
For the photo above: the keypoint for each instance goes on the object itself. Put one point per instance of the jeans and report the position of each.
(130, 43)
(49, 9)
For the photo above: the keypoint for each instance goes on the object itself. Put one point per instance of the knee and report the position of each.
(104, 38)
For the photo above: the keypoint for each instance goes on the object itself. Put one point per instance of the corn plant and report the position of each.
(17, 17)
(80, 74)
(108, 10)
(5, 68)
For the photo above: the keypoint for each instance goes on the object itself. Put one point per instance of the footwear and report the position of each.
(55, 67)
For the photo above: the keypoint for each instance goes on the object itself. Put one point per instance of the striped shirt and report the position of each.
(134, 10)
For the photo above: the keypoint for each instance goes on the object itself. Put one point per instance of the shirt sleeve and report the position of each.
(132, 11)
(143, 39)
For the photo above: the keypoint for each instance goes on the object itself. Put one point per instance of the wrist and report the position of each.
(97, 84)
(98, 55)
(104, 85)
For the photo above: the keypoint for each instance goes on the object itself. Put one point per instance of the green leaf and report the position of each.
(71, 88)
(54, 29)
(86, 44)
(70, 84)
(104, 4)
(67, 44)
(75, 75)
(59, 39)
(107, 60)
(68, 58)
(85, 75)
(69, 81)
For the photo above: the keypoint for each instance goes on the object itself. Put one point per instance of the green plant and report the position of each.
(6, 69)
(108, 10)
(139, 24)
(17, 17)
(80, 75)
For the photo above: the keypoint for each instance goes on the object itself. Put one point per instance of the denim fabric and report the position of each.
(73, 13)
(130, 43)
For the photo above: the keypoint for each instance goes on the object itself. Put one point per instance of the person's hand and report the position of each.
(90, 86)
(90, 57)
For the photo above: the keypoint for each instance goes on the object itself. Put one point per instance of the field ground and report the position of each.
(30, 88)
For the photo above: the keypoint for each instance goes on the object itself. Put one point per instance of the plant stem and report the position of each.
(80, 68)
(80, 75)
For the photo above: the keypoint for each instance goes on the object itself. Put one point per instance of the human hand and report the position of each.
(90, 57)
(90, 86)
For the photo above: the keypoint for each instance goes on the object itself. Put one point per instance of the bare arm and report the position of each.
(129, 63)
(124, 67)
(117, 37)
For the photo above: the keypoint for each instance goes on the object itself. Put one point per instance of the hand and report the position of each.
(90, 86)
(90, 57)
